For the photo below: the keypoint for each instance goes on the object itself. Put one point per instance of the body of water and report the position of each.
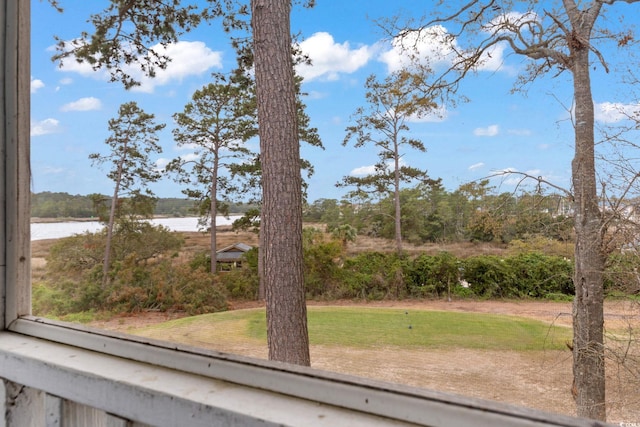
(57, 230)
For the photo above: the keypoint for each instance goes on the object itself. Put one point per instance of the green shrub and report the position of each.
(558, 297)
(49, 301)
(621, 275)
(462, 292)
(489, 277)
(166, 286)
(243, 283)
(432, 275)
(201, 261)
(530, 275)
(144, 275)
(538, 275)
(322, 273)
(375, 275)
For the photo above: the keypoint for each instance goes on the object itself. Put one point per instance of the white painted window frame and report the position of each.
(159, 383)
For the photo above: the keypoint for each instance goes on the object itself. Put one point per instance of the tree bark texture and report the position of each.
(281, 220)
(396, 196)
(106, 264)
(213, 213)
(588, 306)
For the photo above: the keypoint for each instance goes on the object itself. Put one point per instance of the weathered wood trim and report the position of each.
(3, 172)
(419, 406)
(23, 406)
(160, 396)
(53, 411)
(15, 184)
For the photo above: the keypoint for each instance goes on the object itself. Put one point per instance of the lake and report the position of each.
(57, 230)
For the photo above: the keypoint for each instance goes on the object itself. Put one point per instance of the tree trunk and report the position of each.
(112, 218)
(396, 199)
(213, 207)
(588, 316)
(261, 292)
(281, 223)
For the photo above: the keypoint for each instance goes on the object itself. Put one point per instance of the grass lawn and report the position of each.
(359, 327)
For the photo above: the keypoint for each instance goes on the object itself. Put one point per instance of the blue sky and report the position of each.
(495, 131)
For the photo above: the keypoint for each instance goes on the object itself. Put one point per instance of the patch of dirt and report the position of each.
(536, 379)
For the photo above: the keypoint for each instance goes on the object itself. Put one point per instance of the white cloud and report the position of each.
(187, 59)
(435, 47)
(83, 104)
(512, 177)
(330, 59)
(504, 23)
(370, 170)
(64, 82)
(363, 171)
(476, 166)
(36, 84)
(614, 112)
(508, 177)
(45, 127)
(71, 64)
(432, 46)
(534, 172)
(493, 60)
(491, 130)
(162, 163)
(191, 157)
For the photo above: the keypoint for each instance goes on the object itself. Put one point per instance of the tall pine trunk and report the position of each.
(396, 198)
(213, 213)
(281, 221)
(106, 262)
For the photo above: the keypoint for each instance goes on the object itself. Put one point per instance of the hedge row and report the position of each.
(529, 275)
(376, 276)
(169, 283)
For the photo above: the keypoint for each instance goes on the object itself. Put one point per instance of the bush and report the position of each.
(432, 275)
(621, 275)
(72, 257)
(374, 275)
(322, 274)
(527, 275)
(150, 279)
(539, 275)
(166, 286)
(243, 283)
(489, 277)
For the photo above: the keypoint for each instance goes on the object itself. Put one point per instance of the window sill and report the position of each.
(158, 383)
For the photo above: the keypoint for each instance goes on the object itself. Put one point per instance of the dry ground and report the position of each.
(537, 379)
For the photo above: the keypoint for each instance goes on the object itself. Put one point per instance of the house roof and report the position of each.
(236, 247)
(232, 253)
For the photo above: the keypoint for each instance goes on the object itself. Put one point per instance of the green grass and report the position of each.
(370, 328)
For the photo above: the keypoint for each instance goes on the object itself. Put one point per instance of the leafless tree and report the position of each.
(556, 36)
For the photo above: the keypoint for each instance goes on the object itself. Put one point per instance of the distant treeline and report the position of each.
(63, 205)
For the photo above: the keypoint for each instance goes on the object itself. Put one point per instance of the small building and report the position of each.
(231, 257)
